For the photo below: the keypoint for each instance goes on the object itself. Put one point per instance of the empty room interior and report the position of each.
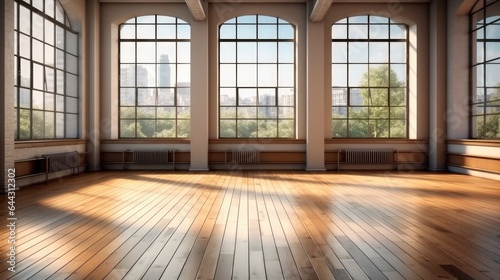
(250, 139)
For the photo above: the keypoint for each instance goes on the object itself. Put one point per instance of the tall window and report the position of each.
(46, 74)
(485, 21)
(369, 78)
(155, 77)
(257, 78)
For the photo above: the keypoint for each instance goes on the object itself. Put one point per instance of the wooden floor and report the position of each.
(257, 225)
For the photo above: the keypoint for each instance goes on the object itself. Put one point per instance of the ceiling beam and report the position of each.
(319, 10)
(196, 9)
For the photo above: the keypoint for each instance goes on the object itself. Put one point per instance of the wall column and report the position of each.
(7, 123)
(93, 105)
(199, 96)
(315, 132)
(437, 85)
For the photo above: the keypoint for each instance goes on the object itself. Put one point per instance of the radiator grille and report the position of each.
(62, 161)
(150, 157)
(369, 156)
(245, 156)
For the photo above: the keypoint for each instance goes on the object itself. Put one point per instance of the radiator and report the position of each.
(150, 157)
(245, 156)
(62, 161)
(369, 156)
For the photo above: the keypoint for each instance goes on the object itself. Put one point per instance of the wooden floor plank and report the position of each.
(257, 225)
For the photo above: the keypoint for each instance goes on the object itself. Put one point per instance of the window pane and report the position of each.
(268, 129)
(286, 31)
(183, 32)
(267, 97)
(227, 75)
(146, 52)
(38, 76)
(24, 46)
(379, 76)
(49, 33)
(183, 128)
(247, 52)
(357, 74)
(286, 128)
(25, 20)
(339, 31)
(339, 75)
(379, 52)
(59, 37)
(267, 52)
(37, 26)
(246, 32)
(127, 128)
(24, 98)
(50, 81)
(166, 31)
(60, 103)
(71, 85)
(127, 52)
(398, 31)
(183, 75)
(71, 64)
(286, 52)
(286, 97)
(267, 113)
(146, 112)
(358, 52)
(49, 55)
(398, 52)
(166, 112)
(127, 96)
(398, 75)
(71, 105)
(127, 75)
(492, 50)
(183, 97)
(25, 73)
(358, 32)
(247, 75)
(127, 112)
(247, 128)
(127, 32)
(71, 43)
(60, 59)
(268, 76)
(146, 75)
(286, 75)
(247, 112)
(183, 52)
(247, 97)
(146, 31)
(339, 128)
(227, 97)
(38, 125)
(379, 31)
(227, 112)
(227, 128)
(24, 124)
(339, 52)
(267, 32)
(166, 52)
(37, 50)
(227, 31)
(146, 96)
(166, 97)
(227, 52)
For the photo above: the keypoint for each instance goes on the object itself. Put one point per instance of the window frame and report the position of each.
(481, 8)
(70, 102)
(157, 87)
(368, 40)
(259, 20)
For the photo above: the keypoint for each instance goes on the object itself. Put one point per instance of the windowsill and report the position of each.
(375, 141)
(257, 141)
(475, 142)
(146, 141)
(48, 143)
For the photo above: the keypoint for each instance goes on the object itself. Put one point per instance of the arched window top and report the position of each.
(257, 27)
(368, 27)
(155, 27)
(51, 9)
(156, 19)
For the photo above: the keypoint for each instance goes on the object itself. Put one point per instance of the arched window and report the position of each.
(369, 78)
(155, 77)
(46, 74)
(256, 78)
(485, 21)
